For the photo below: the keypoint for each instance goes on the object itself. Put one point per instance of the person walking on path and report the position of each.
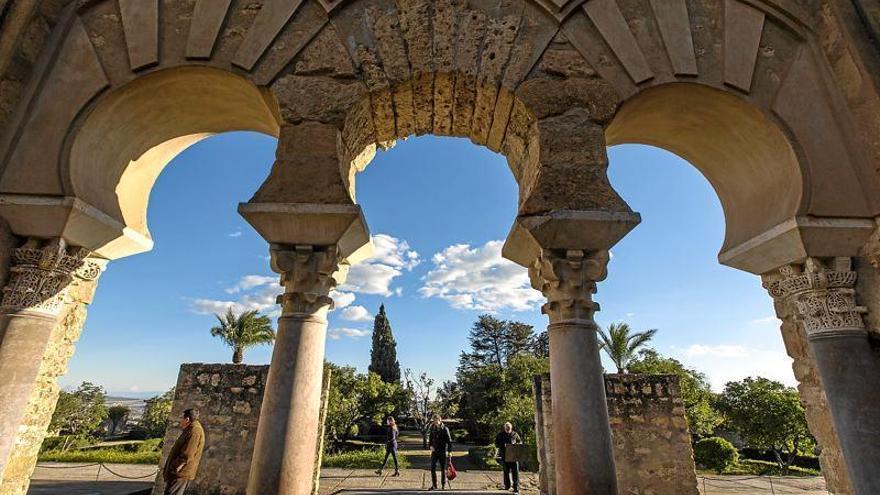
(511, 468)
(390, 446)
(440, 441)
(183, 460)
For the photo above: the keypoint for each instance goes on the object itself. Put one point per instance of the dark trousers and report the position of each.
(390, 451)
(511, 469)
(176, 487)
(438, 458)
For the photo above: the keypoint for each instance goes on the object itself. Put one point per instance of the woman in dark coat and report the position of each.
(390, 446)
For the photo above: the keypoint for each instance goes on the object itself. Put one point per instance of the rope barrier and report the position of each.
(101, 465)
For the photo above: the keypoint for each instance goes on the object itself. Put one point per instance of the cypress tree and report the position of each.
(383, 355)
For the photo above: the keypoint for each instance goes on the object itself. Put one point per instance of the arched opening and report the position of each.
(123, 144)
(741, 152)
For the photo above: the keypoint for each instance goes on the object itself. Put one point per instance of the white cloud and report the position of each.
(374, 276)
(237, 233)
(251, 281)
(352, 333)
(356, 313)
(479, 278)
(341, 299)
(724, 363)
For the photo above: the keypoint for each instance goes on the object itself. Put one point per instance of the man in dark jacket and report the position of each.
(183, 460)
(440, 441)
(502, 440)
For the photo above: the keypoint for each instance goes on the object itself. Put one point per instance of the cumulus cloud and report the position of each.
(356, 313)
(374, 276)
(352, 333)
(251, 281)
(479, 278)
(341, 299)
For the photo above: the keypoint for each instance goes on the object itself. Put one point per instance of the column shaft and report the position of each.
(284, 453)
(850, 368)
(581, 432)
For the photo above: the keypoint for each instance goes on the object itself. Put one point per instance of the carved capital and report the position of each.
(40, 275)
(568, 281)
(308, 274)
(821, 295)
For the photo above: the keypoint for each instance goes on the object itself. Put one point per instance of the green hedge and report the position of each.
(362, 459)
(715, 453)
(105, 455)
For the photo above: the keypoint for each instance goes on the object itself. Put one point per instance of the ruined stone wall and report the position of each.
(652, 444)
(228, 397)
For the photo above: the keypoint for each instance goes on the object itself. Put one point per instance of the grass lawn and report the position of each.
(362, 459)
(105, 455)
(751, 467)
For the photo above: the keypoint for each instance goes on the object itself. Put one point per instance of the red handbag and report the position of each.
(451, 473)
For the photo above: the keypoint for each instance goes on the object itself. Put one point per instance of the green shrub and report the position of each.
(716, 454)
(66, 442)
(362, 459)
(752, 467)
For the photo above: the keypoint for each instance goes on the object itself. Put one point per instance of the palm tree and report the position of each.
(621, 345)
(243, 331)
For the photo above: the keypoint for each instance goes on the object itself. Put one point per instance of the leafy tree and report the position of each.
(355, 397)
(421, 405)
(715, 453)
(117, 415)
(449, 399)
(768, 415)
(156, 414)
(243, 331)
(699, 401)
(541, 345)
(383, 355)
(494, 342)
(622, 345)
(79, 412)
(343, 403)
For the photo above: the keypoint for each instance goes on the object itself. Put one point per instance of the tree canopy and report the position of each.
(156, 414)
(383, 355)
(79, 412)
(494, 342)
(622, 345)
(768, 415)
(243, 331)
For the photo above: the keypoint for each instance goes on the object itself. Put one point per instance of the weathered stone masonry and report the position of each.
(229, 397)
(652, 444)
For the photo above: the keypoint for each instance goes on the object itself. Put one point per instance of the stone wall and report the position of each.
(228, 397)
(652, 444)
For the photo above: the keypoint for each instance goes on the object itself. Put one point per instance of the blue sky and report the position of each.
(439, 209)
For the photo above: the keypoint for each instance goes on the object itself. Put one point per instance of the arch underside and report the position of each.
(734, 87)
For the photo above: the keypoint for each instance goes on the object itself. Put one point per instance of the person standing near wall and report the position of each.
(390, 446)
(441, 449)
(511, 468)
(183, 460)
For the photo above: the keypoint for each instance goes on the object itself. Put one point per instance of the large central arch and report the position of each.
(737, 87)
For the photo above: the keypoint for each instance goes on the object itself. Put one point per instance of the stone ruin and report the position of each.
(229, 397)
(652, 444)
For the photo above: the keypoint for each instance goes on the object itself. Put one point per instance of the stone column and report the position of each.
(41, 316)
(812, 397)
(581, 432)
(284, 454)
(821, 294)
